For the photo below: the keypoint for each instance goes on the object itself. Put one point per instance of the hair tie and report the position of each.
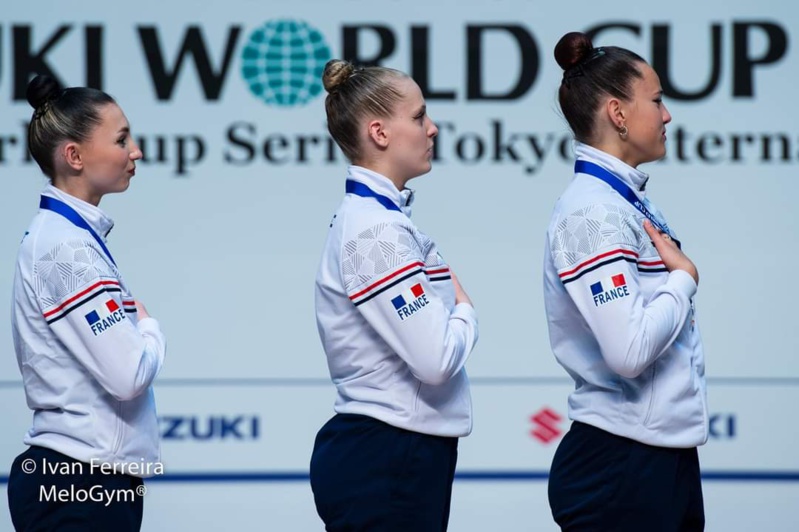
(48, 103)
(578, 69)
(41, 110)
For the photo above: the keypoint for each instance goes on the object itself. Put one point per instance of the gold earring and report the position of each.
(623, 132)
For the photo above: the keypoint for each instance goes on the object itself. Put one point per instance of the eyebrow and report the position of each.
(421, 110)
(125, 129)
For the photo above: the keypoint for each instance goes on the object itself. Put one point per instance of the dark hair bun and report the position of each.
(41, 90)
(336, 73)
(572, 48)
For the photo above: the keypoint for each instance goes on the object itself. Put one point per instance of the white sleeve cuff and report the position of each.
(682, 281)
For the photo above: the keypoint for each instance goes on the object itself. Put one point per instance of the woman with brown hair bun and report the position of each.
(87, 350)
(619, 299)
(395, 324)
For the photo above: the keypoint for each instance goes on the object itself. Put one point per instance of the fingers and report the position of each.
(658, 238)
(650, 229)
(673, 258)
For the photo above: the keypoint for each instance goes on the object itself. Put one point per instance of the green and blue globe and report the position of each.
(283, 62)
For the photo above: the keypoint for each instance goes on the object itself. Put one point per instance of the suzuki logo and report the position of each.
(722, 426)
(546, 429)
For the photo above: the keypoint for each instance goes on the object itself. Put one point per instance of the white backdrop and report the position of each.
(221, 230)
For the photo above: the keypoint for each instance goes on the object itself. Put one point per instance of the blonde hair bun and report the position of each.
(337, 71)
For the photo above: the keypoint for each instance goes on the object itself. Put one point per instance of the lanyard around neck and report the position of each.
(585, 167)
(359, 189)
(59, 207)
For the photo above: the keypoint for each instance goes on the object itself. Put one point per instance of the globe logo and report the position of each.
(283, 62)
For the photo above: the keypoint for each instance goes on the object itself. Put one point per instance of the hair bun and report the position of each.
(336, 72)
(572, 48)
(41, 90)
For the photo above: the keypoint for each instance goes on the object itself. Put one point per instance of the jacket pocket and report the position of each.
(118, 428)
(652, 393)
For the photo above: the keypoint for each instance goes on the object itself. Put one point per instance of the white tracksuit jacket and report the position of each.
(621, 325)
(395, 340)
(87, 362)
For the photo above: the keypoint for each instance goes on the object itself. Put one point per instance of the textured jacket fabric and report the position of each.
(396, 342)
(621, 325)
(87, 362)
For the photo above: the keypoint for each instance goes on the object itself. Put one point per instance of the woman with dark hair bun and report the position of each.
(619, 300)
(395, 324)
(87, 350)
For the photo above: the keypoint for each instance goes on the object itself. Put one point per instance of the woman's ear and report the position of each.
(615, 112)
(70, 151)
(378, 133)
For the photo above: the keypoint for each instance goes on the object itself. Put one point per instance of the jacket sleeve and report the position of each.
(404, 309)
(605, 285)
(83, 305)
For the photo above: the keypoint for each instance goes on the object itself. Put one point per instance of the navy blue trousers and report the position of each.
(603, 482)
(36, 506)
(367, 475)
